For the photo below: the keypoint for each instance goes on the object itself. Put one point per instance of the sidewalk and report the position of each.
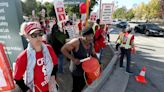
(117, 82)
(65, 79)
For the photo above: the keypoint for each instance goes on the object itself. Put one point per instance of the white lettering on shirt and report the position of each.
(41, 62)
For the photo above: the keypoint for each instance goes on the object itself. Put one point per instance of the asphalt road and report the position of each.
(149, 53)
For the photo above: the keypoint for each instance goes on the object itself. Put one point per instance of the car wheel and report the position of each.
(147, 33)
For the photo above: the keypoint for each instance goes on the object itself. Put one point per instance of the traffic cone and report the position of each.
(141, 77)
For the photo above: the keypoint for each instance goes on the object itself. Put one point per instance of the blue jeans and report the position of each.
(126, 52)
(101, 54)
(60, 63)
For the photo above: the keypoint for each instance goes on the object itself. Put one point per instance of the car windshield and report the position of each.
(123, 22)
(152, 26)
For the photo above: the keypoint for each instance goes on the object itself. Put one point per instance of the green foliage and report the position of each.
(28, 6)
(147, 11)
(93, 2)
(129, 15)
(38, 8)
(142, 11)
(120, 13)
(154, 7)
(70, 9)
(50, 12)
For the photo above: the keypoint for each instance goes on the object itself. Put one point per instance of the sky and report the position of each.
(120, 3)
(128, 3)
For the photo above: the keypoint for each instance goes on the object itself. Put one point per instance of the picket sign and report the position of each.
(6, 79)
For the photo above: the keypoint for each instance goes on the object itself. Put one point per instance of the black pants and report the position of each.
(78, 83)
(117, 46)
(108, 36)
(126, 52)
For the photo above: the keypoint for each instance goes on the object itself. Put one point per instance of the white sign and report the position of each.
(2, 79)
(60, 11)
(106, 13)
(74, 18)
(93, 17)
(83, 17)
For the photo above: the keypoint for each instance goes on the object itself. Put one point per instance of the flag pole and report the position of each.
(87, 12)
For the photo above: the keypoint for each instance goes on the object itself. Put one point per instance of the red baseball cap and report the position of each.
(31, 27)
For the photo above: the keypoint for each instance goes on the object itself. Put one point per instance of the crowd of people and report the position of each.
(38, 65)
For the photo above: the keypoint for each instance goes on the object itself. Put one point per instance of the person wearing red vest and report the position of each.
(127, 43)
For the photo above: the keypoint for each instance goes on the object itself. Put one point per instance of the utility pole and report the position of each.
(100, 9)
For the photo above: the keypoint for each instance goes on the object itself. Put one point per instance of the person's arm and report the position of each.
(118, 37)
(94, 53)
(132, 41)
(54, 71)
(68, 47)
(52, 83)
(22, 85)
(20, 68)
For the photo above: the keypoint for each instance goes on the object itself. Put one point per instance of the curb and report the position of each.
(97, 84)
(106, 74)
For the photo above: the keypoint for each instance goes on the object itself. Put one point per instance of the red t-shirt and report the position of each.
(39, 69)
(99, 42)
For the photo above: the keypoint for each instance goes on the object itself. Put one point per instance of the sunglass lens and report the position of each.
(40, 34)
(33, 35)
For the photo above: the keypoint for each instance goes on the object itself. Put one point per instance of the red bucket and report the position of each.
(92, 69)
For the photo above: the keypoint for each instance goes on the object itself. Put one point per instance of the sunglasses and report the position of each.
(35, 35)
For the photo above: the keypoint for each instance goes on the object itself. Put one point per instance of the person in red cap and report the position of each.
(37, 63)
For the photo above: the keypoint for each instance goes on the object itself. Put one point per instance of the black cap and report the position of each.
(87, 31)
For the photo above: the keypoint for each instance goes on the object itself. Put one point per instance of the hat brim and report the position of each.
(32, 31)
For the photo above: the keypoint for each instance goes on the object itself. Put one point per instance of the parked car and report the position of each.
(149, 29)
(122, 24)
(114, 22)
